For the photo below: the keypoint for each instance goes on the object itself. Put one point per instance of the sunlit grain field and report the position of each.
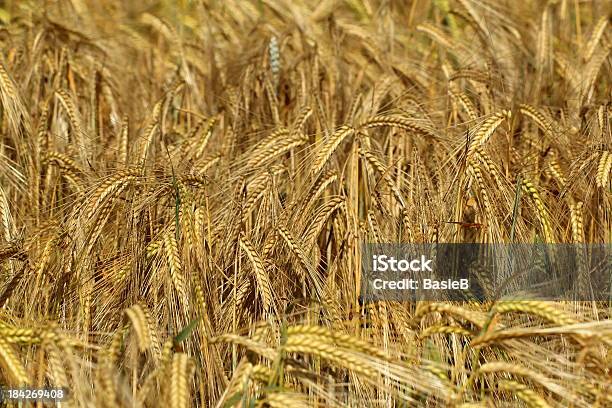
(185, 188)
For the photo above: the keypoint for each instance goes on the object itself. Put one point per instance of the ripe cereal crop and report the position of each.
(185, 188)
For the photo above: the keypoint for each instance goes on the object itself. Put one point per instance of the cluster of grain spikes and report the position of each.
(186, 188)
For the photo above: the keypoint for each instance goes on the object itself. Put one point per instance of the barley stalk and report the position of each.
(181, 374)
(110, 188)
(530, 397)
(263, 281)
(485, 130)
(598, 31)
(176, 265)
(327, 150)
(395, 121)
(604, 168)
(541, 309)
(13, 367)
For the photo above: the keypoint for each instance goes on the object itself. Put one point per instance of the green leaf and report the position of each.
(234, 399)
(431, 352)
(186, 331)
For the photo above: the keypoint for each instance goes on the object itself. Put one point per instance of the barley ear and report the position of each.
(180, 380)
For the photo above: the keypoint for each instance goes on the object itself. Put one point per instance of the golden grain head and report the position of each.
(186, 189)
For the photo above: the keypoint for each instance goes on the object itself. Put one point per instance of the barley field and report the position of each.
(185, 187)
